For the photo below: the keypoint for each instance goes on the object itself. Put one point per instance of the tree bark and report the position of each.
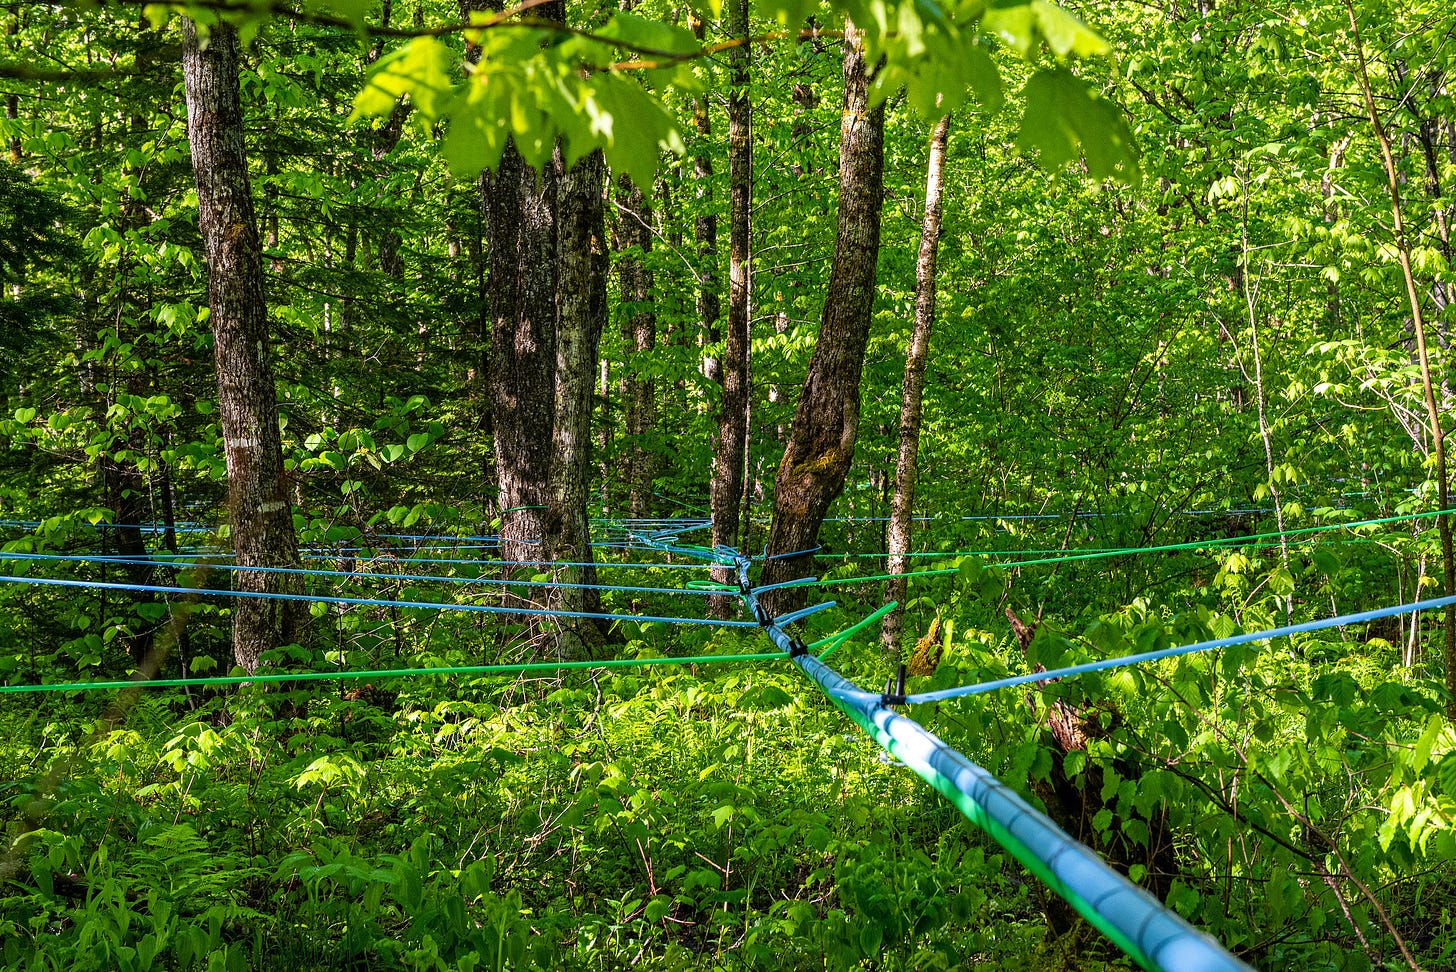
(917, 356)
(582, 254)
(826, 421)
(260, 516)
(731, 436)
(522, 378)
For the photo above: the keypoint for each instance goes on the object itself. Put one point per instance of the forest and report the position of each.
(477, 483)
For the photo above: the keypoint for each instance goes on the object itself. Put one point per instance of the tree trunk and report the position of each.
(731, 438)
(639, 335)
(826, 421)
(582, 310)
(705, 229)
(902, 503)
(260, 517)
(523, 347)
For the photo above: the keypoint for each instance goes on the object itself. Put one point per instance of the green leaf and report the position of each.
(633, 126)
(356, 12)
(1064, 117)
(418, 441)
(420, 69)
(790, 13)
(1014, 22)
(643, 32)
(151, 611)
(1064, 33)
(870, 938)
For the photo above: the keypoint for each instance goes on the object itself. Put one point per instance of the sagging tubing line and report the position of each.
(1154, 936)
(1146, 656)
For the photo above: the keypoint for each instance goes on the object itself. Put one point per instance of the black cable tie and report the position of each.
(797, 647)
(894, 689)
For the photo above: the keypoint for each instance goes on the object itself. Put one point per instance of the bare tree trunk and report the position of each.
(260, 516)
(1433, 414)
(731, 438)
(917, 356)
(826, 421)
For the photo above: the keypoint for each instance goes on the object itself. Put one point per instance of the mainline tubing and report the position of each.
(1157, 938)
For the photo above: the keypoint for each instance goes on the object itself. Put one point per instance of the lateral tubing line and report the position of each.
(387, 673)
(350, 574)
(1108, 663)
(1164, 548)
(372, 602)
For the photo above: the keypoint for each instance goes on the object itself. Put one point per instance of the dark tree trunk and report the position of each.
(730, 441)
(260, 517)
(582, 312)
(547, 291)
(523, 347)
(639, 335)
(826, 421)
(902, 503)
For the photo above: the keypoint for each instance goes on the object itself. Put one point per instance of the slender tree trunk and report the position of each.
(826, 422)
(731, 436)
(1433, 414)
(917, 356)
(260, 516)
(639, 335)
(705, 229)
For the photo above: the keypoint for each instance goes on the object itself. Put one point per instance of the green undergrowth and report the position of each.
(671, 821)
(1297, 799)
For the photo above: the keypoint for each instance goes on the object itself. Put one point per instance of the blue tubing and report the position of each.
(1136, 921)
(350, 574)
(370, 602)
(1107, 663)
(802, 613)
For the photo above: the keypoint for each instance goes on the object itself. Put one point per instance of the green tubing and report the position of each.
(840, 582)
(387, 673)
(1125, 551)
(707, 585)
(835, 640)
